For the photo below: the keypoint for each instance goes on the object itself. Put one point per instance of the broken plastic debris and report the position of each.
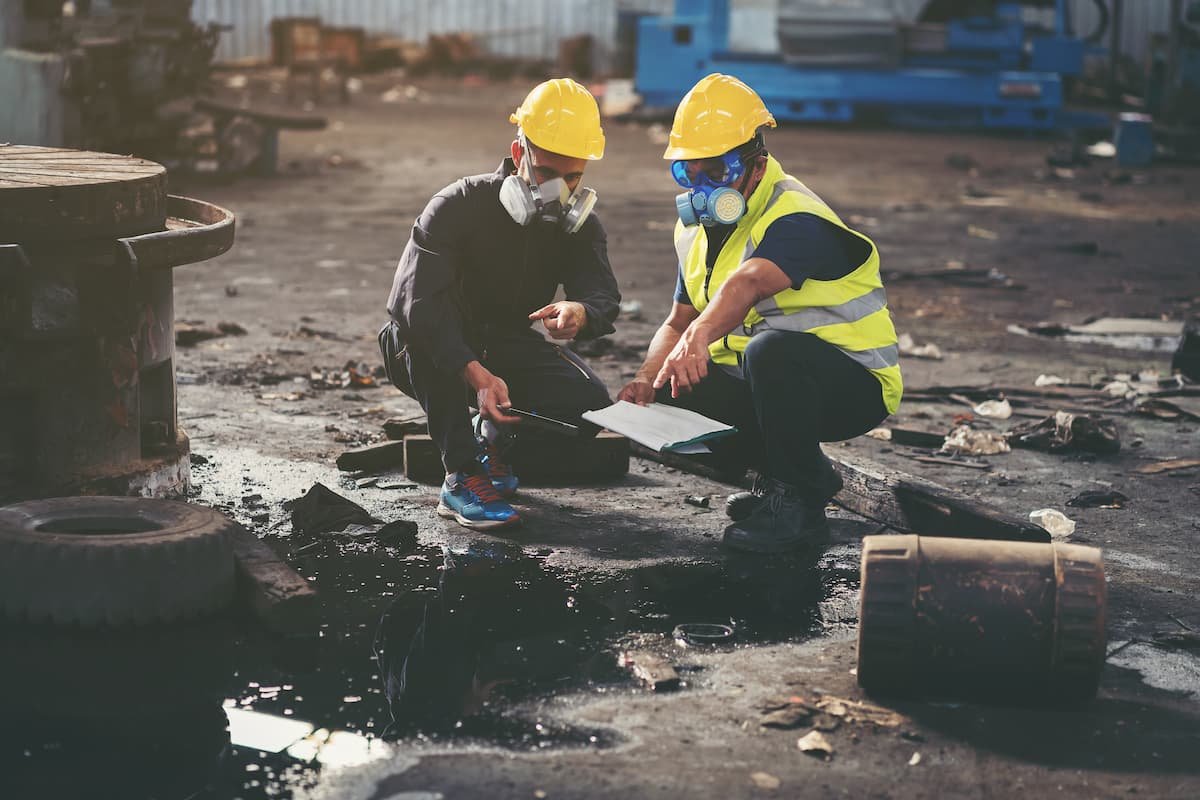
(815, 743)
(994, 409)
(765, 780)
(1056, 523)
(916, 759)
(908, 347)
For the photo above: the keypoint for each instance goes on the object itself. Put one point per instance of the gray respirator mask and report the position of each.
(551, 202)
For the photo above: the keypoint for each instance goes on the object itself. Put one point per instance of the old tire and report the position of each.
(113, 561)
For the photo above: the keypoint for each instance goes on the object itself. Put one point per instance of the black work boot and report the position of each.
(784, 520)
(740, 505)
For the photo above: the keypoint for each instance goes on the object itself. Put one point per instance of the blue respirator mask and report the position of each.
(711, 198)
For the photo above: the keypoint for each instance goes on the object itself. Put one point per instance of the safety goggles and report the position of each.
(716, 171)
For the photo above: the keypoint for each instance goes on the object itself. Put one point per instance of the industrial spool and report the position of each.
(942, 615)
(87, 368)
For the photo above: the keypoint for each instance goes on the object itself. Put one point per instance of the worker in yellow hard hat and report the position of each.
(483, 265)
(780, 323)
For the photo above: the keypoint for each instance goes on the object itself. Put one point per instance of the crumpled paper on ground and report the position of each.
(965, 439)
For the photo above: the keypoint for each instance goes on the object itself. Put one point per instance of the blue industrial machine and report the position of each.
(976, 63)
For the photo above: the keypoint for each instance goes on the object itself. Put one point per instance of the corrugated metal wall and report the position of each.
(1140, 19)
(534, 27)
(505, 27)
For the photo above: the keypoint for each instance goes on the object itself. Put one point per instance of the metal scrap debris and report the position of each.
(1067, 431)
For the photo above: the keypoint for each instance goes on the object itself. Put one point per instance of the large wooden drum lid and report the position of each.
(57, 194)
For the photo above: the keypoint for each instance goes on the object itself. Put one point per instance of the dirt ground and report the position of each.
(308, 278)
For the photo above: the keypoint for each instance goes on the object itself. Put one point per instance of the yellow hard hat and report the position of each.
(717, 115)
(561, 116)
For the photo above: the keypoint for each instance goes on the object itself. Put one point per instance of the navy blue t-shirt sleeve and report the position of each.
(681, 292)
(806, 246)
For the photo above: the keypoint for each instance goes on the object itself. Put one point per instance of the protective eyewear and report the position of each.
(717, 171)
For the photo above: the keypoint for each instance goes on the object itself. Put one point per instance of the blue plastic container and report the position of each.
(1134, 140)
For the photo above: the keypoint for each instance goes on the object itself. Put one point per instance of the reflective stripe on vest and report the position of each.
(849, 313)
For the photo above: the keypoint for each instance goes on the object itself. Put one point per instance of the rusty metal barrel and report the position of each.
(87, 347)
(963, 615)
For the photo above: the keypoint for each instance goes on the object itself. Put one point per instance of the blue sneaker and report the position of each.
(497, 468)
(500, 472)
(474, 503)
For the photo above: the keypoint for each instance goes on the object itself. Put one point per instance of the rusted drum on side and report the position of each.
(950, 615)
(87, 377)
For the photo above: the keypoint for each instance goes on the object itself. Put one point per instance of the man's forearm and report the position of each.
(726, 311)
(662, 343)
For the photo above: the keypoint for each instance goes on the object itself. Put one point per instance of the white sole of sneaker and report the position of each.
(446, 512)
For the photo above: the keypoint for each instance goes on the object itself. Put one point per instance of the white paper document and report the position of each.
(660, 427)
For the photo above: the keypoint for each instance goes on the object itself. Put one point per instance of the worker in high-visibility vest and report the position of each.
(780, 323)
(483, 265)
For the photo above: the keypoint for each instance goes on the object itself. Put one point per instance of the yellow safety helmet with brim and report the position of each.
(718, 114)
(561, 116)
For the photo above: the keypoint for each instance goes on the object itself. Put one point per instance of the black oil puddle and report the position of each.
(449, 646)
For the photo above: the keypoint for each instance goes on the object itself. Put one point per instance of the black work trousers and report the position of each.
(542, 377)
(796, 391)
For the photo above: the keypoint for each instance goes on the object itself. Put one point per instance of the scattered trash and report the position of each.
(1167, 410)
(1169, 466)
(1097, 498)
(916, 759)
(882, 434)
(965, 439)
(982, 233)
(190, 334)
(786, 713)
(994, 409)
(765, 780)
(701, 633)
(322, 510)
(908, 347)
(360, 375)
(654, 671)
(1067, 431)
(856, 712)
(1049, 380)
(1102, 150)
(1152, 335)
(814, 743)
(697, 500)
(1056, 523)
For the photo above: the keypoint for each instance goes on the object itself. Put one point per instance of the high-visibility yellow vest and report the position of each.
(850, 313)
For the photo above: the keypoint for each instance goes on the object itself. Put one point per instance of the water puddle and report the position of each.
(465, 645)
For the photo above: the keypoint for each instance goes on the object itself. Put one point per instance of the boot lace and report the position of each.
(481, 486)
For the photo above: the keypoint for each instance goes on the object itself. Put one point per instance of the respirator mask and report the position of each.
(711, 198)
(551, 202)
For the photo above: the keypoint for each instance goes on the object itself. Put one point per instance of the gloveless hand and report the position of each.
(638, 390)
(562, 320)
(686, 365)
